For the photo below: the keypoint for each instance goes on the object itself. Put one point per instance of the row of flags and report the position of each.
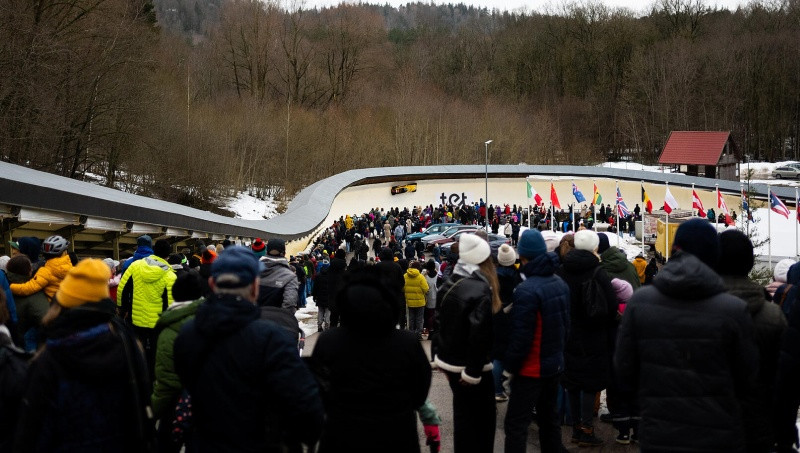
(670, 203)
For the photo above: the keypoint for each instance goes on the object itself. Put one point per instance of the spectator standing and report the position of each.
(467, 301)
(685, 329)
(249, 389)
(539, 323)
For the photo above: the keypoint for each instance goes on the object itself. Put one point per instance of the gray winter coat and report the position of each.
(278, 285)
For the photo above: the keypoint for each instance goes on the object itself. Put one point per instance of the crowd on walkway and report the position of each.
(199, 350)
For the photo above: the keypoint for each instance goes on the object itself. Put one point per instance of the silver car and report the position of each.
(786, 172)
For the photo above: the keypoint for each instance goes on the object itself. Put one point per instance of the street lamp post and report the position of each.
(486, 200)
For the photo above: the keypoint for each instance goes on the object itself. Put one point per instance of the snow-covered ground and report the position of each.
(635, 166)
(308, 317)
(248, 207)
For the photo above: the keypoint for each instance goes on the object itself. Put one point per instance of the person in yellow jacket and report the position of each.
(640, 264)
(415, 289)
(144, 291)
(48, 277)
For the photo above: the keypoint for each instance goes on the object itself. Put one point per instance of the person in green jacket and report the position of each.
(144, 291)
(415, 289)
(616, 264)
(167, 387)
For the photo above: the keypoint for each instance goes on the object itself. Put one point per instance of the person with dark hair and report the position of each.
(145, 291)
(30, 309)
(735, 263)
(167, 387)
(462, 347)
(685, 329)
(87, 388)
(396, 377)
(249, 389)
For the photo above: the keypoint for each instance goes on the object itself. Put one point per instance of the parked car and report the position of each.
(436, 228)
(446, 233)
(786, 172)
(495, 241)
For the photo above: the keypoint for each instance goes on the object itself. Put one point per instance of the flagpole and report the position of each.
(572, 205)
(744, 214)
(552, 208)
(617, 208)
(716, 216)
(666, 235)
(644, 213)
(693, 211)
(769, 226)
(594, 206)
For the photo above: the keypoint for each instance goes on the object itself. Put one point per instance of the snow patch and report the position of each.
(248, 207)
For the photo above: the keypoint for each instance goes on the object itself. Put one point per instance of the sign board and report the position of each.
(457, 199)
(650, 229)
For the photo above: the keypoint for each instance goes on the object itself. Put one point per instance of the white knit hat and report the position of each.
(781, 269)
(506, 255)
(472, 249)
(587, 240)
(551, 239)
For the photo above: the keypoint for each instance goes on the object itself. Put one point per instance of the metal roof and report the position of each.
(694, 147)
(20, 186)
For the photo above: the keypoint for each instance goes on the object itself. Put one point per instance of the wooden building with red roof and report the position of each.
(702, 153)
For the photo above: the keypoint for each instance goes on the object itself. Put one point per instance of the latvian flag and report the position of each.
(697, 204)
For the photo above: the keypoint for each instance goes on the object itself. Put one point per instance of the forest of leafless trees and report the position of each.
(182, 99)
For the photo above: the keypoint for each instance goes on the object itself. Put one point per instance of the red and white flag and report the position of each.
(670, 203)
(554, 197)
(721, 205)
(697, 204)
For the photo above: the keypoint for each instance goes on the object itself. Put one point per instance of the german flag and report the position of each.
(648, 205)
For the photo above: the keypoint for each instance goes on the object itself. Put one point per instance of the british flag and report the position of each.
(622, 208)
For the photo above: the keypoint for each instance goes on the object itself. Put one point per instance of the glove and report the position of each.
(432, 434)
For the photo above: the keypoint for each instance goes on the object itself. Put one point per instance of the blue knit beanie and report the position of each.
(531, 244)
(699, 238)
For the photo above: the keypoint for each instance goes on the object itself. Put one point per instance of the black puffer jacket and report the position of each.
(590, 343)
(769, 325)
(687, 347)
(464, 319)
(509, 278)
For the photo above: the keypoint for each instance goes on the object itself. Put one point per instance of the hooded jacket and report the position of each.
(278, 284)
(591, 340)
(47, 278)
(640, 264)
(147, 289)
(31, 309)
(244, 374)
(376, 375)
(82, 387)
(415, 288)
(686, 346)
(142, 251)
(464, 319)
(167, 386)
(539, 321)
(509, 278)
(616, 265)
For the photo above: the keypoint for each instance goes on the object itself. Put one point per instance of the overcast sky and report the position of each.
(638, 6)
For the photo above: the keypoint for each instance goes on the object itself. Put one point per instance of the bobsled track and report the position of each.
(101, 221)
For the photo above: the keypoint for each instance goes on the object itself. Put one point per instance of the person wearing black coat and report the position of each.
(736, 261)
(787, 390)
(685, 346)
(463, 341)
(336, 272)
(249, 389)
(370, 404)
(87, 388)
(591, 340)
(322, 294)
(509, 278)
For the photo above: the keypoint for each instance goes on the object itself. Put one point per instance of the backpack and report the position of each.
(593, 297)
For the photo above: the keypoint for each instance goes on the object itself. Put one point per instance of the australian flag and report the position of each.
(578, 195)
